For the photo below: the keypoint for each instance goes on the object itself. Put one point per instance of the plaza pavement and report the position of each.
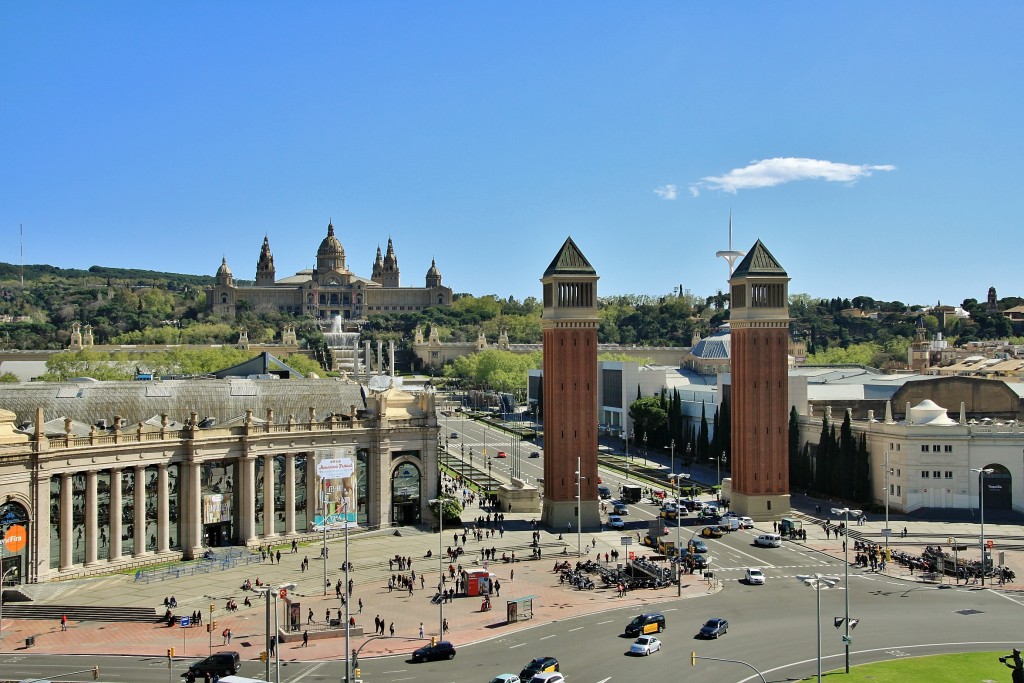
(369, 553)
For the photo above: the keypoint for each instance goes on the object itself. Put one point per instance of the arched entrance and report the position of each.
(998, 488)
(14, 525)
(405, 494)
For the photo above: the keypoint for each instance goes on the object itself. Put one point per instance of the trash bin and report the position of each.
(30, 641)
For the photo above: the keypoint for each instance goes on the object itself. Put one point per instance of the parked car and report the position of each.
(441, 650)
(714, 628)
(754, 577)
(222, 664)
(651, 622)
(645, 645)
(711, 532)
(538, 665)
(746, 523)
(616, 522)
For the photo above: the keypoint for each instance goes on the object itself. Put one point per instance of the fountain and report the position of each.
(344, 347)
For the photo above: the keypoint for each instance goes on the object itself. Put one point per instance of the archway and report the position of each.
(998, 488)
(405, 494)
(14, 520)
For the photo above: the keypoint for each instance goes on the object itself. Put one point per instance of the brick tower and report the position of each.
(569, 322)
(759, 321)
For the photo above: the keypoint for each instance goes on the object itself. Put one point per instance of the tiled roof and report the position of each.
(758, 261)
(570, 261)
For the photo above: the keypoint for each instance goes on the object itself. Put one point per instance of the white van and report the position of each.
(769, 540)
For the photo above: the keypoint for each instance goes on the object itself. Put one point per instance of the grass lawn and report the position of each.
(974, 667)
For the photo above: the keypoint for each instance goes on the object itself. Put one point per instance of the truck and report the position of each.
(631, 493)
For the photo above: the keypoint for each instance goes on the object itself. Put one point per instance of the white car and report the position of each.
(548, 677)
(746, 523)
(615, 522)
(754, 577)
(645, 645)
(505, 678)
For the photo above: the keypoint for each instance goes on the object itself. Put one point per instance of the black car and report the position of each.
(534, 454)
(538, 665)
(699, 561)
(714, 628)
(222, 664)
(442, 650)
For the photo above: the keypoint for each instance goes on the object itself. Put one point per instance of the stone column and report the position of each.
(140, 511)
(115, 514)
(91, 512)
(39, 569)
(66, 520)
(269, 511)
(192, 509)
(248, 503)
(163, 516)
(289, 494)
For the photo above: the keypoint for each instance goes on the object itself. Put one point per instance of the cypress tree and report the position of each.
(796, 478)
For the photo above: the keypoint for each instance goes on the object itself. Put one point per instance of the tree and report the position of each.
(648, 417)
(796, 478)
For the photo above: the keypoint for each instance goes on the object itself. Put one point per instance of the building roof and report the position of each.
(717, 346)
(265, 365)
(221, 399)
(570, 261)
(759, 261)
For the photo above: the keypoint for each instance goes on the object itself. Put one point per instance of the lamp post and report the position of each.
(645, 449)
(718, 463)
(277, 650)
(818, 583)
(689, 455)
(982, 471)
(348, 599)
(679, 549)
(846, 512)
(672, 457)
(323, 510)
(887, 473)
(440, 563)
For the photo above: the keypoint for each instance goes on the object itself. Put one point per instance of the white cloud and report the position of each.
(772, 172)
(667, 192)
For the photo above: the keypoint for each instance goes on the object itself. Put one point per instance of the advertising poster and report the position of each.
(336, 503)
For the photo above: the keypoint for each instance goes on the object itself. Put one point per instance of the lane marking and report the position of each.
(579, 628)
(512, 647)
(551, 636)
(311, 670)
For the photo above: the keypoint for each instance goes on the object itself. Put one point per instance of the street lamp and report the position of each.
(982, 471)
(679, 549)
(689, 455)
(846, 512)
(718, 463)
(819, 583)
(887, 531)
(268, 595)
(440, 563)
(672, 457)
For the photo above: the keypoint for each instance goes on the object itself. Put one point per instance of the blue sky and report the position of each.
(873, 147)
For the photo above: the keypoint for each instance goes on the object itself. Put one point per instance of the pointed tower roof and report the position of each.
(224, 270)
(266, 260)
(389, 255)
(433, 271)
(330, 246)
(758, 261)
(570, 261)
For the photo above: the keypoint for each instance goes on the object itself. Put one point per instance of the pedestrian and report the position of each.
(229, 636)
(273, 644)
(421, 629)
(512, 575)
(392, 629)
(360, 606)
(64, 622)
(309, 617)
(305, 639)
(497, 588)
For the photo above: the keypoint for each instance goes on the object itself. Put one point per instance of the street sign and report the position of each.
(335, 468)
(625, 540)
(990, 544)
(283, 593)
(185, 622)
(886, 532)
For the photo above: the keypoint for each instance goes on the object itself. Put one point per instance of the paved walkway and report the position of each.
(369, 554)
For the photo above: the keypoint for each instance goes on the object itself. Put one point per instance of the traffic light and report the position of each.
(433, 641)
(357, 673)
(95, 673)
(693, 659)
(263, 656)
(170, 653)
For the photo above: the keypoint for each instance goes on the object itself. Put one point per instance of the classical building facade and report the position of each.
(569, 321)
(109, 475)
(331, 289)
(759, 348)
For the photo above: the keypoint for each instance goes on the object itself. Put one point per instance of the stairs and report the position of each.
(141, 615)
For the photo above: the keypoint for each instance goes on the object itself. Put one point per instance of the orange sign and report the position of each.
(989, 544)
(283, 593)
(15, 538)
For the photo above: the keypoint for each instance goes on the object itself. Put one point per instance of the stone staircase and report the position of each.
(141, 615)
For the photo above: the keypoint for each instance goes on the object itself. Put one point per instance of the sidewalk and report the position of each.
(369, 555)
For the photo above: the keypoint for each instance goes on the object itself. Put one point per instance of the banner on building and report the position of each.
(216, 508)
(336, 505)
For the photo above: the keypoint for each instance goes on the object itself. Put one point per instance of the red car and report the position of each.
(502, 454)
